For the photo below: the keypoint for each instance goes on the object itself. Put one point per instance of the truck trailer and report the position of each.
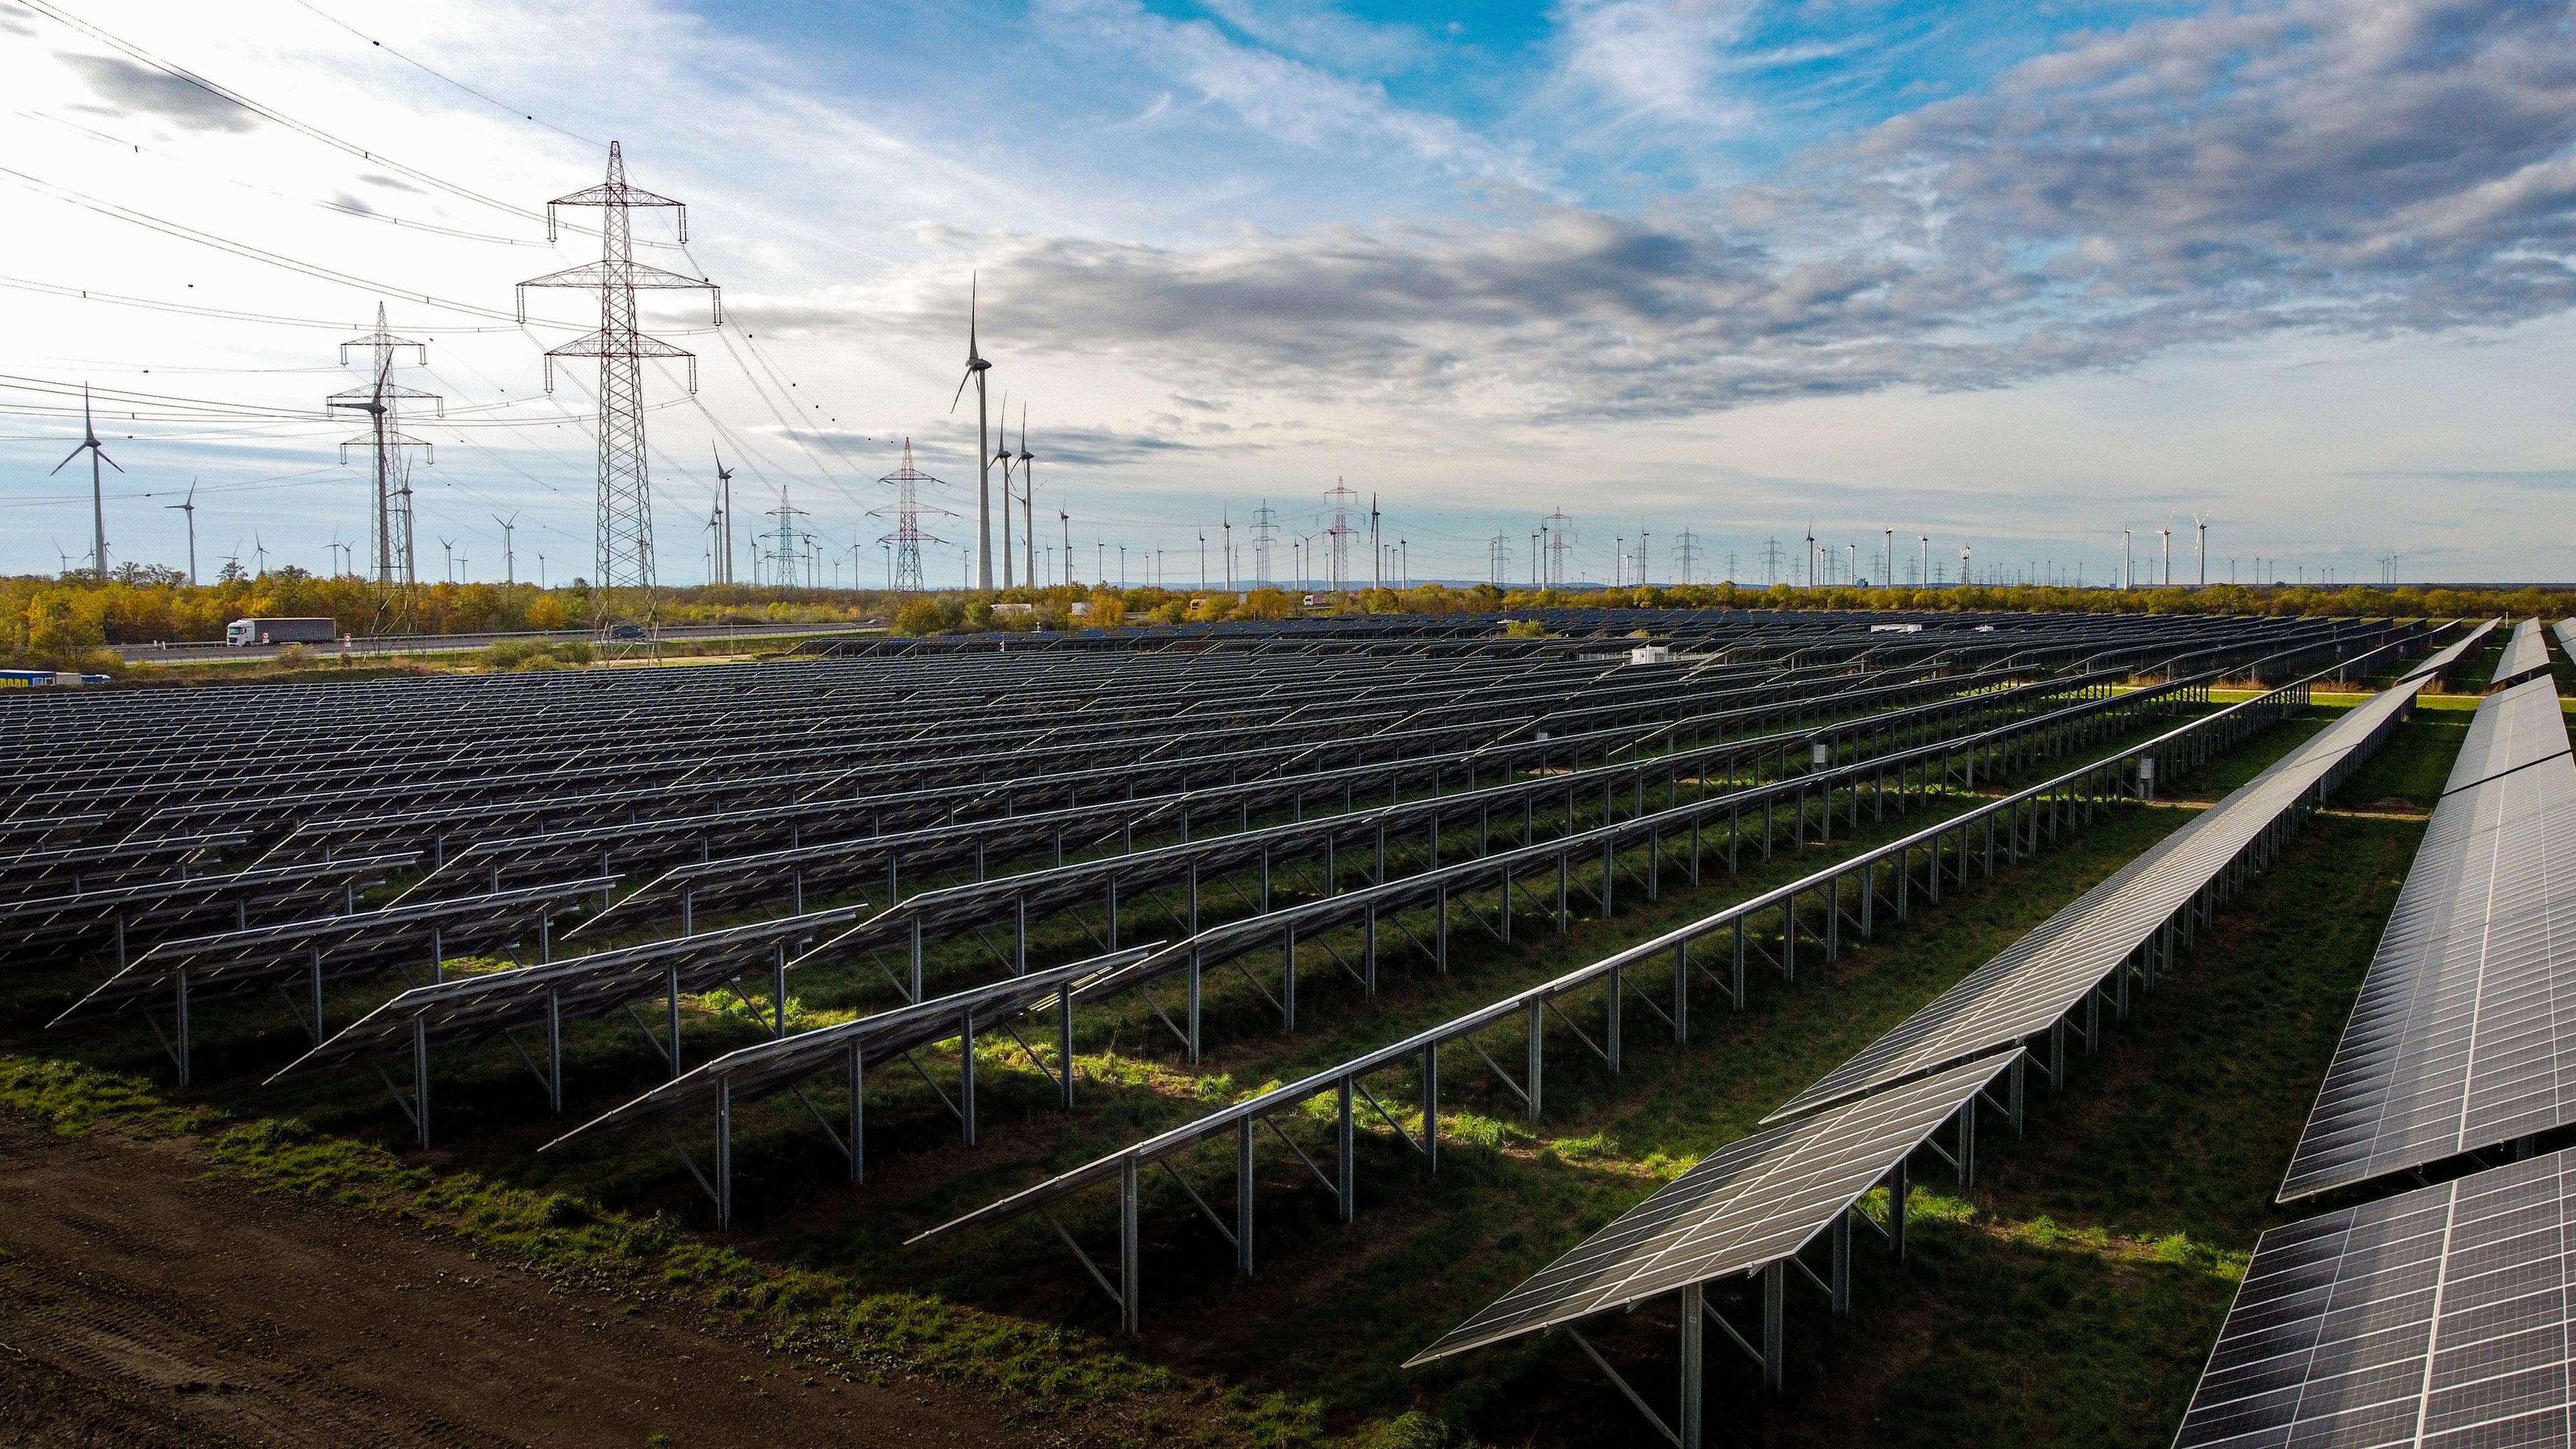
(241, 633)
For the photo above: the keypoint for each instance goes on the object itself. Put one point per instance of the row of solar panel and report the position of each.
(1763, 1201)
(2440, 1315)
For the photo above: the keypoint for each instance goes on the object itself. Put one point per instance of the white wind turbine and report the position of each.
(976, 367)
(189, 508)
(97, 495)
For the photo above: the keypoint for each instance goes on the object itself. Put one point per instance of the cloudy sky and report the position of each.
(2005, 276)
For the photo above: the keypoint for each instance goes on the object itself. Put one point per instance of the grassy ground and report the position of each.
(2066, 1300)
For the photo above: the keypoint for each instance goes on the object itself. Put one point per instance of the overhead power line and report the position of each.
(430, 70)
(257, 254)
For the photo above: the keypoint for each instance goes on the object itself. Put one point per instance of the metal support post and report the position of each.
(1775, 1302)
(1243, 1197)
(1131, 1276)
(1346, 1143)
(1694, 1365)
(1537, 1054)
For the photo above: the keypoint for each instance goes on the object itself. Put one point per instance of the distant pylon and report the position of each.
(1556, 523)
(623, 532)
(1498, 560)
(907, 537)
(1686, 554)
(1340, 496)
(1265, 529)
(390, 538)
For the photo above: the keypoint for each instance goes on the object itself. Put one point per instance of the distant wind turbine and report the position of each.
(976, 367)
(1028, 496)
(1002, 455)
(190, 508)
(724, 519)
(97, 495)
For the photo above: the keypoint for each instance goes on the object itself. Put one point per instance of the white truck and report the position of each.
(242, 633)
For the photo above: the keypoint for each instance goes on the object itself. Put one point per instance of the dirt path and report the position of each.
(145, 1304)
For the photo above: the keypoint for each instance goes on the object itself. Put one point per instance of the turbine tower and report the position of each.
(623, 532)
(1002, 455)
(189, 508)
(723, 569)
(1029, 502)
(391, 510)
(976, 367)
(97, 492)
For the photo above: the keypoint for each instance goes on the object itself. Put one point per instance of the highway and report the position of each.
(193, 652)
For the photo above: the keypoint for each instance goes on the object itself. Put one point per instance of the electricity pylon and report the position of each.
(623, 541)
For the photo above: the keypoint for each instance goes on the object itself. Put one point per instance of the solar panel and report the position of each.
(2512, 729)
(773, 1066)
(1753, 1204)
(2035, 981)
(2465, 1032)
(473, 1008)
(331, 947)
(2526, 653)
(2437, 1317)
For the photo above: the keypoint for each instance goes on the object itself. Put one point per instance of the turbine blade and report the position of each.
(961, 388)
(67, 460)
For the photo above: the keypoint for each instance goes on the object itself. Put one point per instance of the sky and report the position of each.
(2002, 278)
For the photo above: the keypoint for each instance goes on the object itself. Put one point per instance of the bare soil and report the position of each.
(145, 1301)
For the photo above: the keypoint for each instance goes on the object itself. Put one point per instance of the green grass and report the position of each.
(2079, 1282)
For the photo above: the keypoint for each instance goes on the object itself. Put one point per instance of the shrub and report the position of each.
(920, 618)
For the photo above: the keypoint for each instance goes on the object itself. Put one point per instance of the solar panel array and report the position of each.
(2525, 654)
(1751, 1205)
(2032, 984)
(2514, 728)
(2436, 1317)
(2464, 1036)
(1758, 1202)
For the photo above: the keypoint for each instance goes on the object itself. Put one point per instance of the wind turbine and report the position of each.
(447, 546)
(2200, 526)
(259, 553)
(189, 508)
(976, 367)
(1029, 500)
(509, 556)
(724, 518)
(1002, 456)
(97, 497)
(1811, 553)
(62, 560)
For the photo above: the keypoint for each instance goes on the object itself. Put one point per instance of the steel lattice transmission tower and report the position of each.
(391, 542)
(1265, 532)
(907, 537)
(624, 527)
(1340, 496)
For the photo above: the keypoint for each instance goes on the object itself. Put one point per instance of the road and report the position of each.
(196, 653)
